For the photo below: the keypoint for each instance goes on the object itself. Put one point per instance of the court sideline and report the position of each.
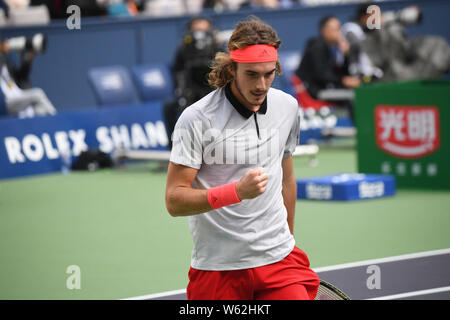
(423, 275)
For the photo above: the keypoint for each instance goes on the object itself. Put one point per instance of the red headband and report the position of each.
(255, 53)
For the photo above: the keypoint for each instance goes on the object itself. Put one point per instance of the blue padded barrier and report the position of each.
(346, 187)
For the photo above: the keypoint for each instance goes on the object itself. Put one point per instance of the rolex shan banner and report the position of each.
(403, 130)
(38, 145)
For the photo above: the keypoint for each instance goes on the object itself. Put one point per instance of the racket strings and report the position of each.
(328, 292)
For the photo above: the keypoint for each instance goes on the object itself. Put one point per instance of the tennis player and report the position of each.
(231, 172)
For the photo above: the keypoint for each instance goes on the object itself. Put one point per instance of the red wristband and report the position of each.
(222, 196)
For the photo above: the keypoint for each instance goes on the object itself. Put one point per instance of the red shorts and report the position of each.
(288, 279)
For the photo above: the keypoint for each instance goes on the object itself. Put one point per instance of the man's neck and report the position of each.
(237, 93)
(327, 42)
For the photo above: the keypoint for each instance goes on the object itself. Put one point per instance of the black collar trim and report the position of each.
(243, 111)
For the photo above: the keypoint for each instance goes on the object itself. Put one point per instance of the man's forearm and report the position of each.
(289, 193)
(187, 201)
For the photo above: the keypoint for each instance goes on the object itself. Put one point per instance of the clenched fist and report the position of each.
(252, 184)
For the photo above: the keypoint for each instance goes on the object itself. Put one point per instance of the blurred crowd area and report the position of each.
(57, 9)
(338, 57)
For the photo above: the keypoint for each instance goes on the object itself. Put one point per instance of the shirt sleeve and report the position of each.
(294, 135)
(187, 146)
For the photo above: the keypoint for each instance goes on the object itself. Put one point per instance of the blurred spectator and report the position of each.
(57, 8)
(400, 57)
(289, 3)
(324, 64)
(121, 8)
(21, 100)
(3, 13)
(191, 66)
(17, 4)
(89, 8)
(259, 4)
(331, 2)
(166, 8)
(217, 5)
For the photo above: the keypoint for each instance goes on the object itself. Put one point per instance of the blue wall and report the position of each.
(62, 70)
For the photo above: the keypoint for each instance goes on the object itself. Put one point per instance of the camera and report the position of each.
(411, 15)
(36, 43)
(200, 40)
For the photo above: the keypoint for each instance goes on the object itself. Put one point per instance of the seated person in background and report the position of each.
(20, 99)
(191, 66)
(324, 64)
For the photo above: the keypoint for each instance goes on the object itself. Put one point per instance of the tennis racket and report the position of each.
(329, 292)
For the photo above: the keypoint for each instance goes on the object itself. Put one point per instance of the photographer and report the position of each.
(398, 56)
(354, 32)
(190, 69)
(20, 99)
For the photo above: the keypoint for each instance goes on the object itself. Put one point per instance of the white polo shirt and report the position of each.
(223, 140)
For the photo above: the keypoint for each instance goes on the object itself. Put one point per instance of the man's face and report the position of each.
(252, 82)
(331, 31)
(363, 20)
(4, 47)
(200, 25)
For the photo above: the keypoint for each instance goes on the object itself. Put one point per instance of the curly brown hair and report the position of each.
(248, 32)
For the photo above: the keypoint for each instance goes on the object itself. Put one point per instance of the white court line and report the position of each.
(384, 260)
(412, 294)
(157, 295)
(323, 269)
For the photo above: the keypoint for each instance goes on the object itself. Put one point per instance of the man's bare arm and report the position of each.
(183, 200)
(289, 191)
